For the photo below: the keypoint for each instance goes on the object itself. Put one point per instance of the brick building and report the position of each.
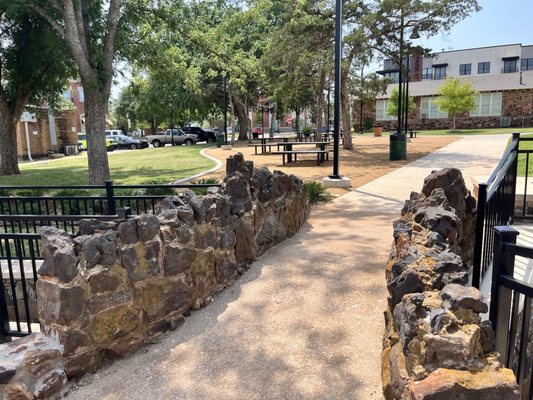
(503, 76)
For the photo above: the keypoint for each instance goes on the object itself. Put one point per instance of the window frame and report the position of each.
(465, 69)
(494, 99)
(508, 66)
(437, 71)
(481, 67)
(528, 63)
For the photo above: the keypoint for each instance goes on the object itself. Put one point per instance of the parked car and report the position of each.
(113, 132)
(256, 132)
(203, 134)
(125, 142)
(110, 143)
(174, 136)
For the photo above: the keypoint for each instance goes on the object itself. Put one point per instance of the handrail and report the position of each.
(512, 147)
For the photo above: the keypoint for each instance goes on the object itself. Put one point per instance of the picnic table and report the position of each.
(288, 152)
(329, 137)
(263, 145)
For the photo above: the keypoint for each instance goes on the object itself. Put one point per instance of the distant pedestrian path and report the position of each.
(306, 321)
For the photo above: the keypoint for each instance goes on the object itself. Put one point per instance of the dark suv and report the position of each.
(203, 135)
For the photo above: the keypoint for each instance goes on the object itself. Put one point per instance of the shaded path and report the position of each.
(305, 322)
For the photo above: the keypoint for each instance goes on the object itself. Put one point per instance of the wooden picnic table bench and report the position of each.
(412, 133)
(263, 145)
(287, 155)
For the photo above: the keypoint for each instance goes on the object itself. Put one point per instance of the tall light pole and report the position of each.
(414, 35)
(225, 111)
(337, 98)
(399, 125)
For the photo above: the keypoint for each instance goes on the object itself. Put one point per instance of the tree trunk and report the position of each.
(8, 139)
(96, 111)
(297, 122)
(273, 118)
(243, 120)
(320, 106)
(345, 107)
(454, 122)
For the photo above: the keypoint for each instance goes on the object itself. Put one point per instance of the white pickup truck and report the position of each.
(172, 137)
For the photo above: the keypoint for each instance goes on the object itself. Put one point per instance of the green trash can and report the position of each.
(220, 140)
(398, 147)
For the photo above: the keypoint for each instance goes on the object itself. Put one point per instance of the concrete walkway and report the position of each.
(305, 322)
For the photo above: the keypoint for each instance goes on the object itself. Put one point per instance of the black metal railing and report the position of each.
(18, 276)
(510, 309)
(85, 200)
(495, 206)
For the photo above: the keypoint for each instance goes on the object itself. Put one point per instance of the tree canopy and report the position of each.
(455, 97)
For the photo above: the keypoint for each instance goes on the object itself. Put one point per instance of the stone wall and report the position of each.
(435, 345)
(115, 285)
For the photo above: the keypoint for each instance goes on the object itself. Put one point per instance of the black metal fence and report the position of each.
(510, 309)
(495, 206)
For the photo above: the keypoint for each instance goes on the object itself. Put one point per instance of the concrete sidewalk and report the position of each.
(305, 322)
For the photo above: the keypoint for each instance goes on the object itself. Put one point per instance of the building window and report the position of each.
(393, 77)
(430, 109)
(488, 105)
(465, 69)
(526, 64)
(509, 66)
(483, 67)
(427, 73)
(439, 73)
(381, 111)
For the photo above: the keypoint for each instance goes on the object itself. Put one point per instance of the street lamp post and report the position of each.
(399, 124)
(225, 111)
(414, 35)
(329, 106)
(337, 98)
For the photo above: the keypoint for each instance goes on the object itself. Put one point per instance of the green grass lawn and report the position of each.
(161, 165)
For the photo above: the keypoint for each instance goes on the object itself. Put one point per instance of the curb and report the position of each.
(216, 167)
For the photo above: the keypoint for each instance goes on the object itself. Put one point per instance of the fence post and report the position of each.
(111, 206)
(4, 317)
(515, 174)
(500, 297)
(478, 240)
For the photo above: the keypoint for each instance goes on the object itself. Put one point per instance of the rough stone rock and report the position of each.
(161, 296)
(205, 237)
(136, 263)
(408, 314)
(225, 265)
(98, 249)
(59, 304)
(169, 218)
(74, 341)
(223, 214)
(32, 367)
(99, 302)
(456, 296)
(91, 226)
(114, 322)
(239, 193)
(459, 348)
(465, 385)
(203, 273)
(169, 203)
(407, 282)
(127, 231)
(268, 231)
(398, 371)
(488, 339)
(245, 247)
(442, 221)
(186, 214)
(103, 280)
(261, 183)
(227, 239)
(450, 180)
(59, 257)
(197, 206)
(80, 363)
(237, 164)
(184, 234)
(148, 227)
(178, 258)
(281, 184)
(124, 345)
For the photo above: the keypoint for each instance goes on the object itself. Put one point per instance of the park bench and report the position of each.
(263, 147)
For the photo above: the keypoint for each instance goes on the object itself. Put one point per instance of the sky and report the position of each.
(499, 22)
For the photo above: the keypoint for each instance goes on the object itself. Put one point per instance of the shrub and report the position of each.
(317, 192)
(203, 191)
(154, 191)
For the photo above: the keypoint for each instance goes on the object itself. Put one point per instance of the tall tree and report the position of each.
(33, 68)
(90, 30)
(456, 97)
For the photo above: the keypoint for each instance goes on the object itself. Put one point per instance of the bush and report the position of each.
(203, 191)
(157, 191)
(307, 130)
(317, 192)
